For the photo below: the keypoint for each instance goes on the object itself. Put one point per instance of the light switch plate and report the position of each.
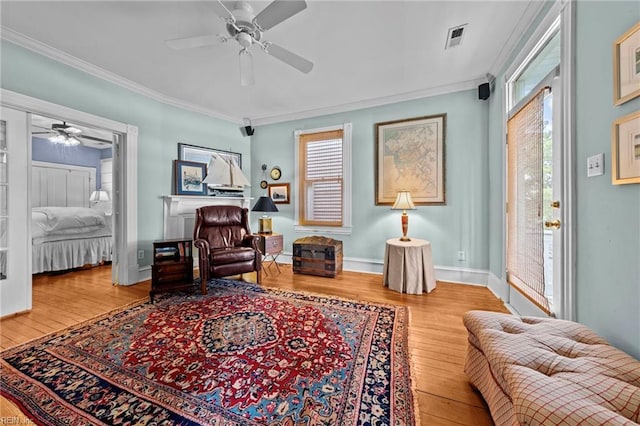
(595, 165)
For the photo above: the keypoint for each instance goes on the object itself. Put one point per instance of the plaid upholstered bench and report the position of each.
(543, 371)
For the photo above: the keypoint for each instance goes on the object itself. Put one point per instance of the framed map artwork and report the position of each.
(410, 157)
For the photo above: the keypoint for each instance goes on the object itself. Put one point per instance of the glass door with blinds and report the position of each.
(534, 255)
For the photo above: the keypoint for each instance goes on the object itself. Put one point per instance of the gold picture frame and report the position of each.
(626, 66)
(279, 193)
(410, 157)
(625, 150)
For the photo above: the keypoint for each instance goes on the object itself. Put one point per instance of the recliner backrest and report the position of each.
(221, 226)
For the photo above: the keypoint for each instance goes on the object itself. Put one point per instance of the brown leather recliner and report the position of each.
(226, 246)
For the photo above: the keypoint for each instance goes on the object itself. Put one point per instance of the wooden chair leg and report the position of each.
(259, 276)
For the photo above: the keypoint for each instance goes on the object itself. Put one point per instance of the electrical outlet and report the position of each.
(595, 165)
(462, 256)
(140, 254)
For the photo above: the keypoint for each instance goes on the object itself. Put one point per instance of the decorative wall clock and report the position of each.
(264, 184)
(276, 173)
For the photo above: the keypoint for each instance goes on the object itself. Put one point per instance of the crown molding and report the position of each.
(527, 19)
(51, 52)
(96, 71)
(369, 103)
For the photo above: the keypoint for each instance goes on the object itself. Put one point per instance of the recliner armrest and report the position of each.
(252, 241)
(203, 248)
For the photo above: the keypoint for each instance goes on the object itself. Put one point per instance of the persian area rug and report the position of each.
(240, 355)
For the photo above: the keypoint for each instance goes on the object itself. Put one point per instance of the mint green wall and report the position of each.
(608, 225)
(462, 224)
(160, 126)
(608, 216)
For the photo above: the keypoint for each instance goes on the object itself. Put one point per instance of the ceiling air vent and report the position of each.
(454, 37)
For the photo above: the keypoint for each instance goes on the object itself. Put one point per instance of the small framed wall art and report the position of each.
(188, 178)
(626, 66)
(279, 193)
(625, 150)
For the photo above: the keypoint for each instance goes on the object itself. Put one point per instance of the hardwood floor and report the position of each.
(437, 337)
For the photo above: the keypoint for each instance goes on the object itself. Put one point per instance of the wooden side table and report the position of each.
(408, 266)
(271, 245)
(172, 268)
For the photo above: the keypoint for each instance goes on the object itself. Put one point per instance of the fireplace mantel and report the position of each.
(180, 212)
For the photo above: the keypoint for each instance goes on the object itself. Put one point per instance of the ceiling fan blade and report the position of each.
(278, 11)
(288, 57)
(246, 68)
(222, 11)
(193, 42)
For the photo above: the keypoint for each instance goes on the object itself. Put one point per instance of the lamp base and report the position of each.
(264, 225)
(405, 238)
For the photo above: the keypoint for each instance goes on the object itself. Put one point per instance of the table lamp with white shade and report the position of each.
(404, 203)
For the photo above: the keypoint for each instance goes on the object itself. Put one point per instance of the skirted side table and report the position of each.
(408, 266)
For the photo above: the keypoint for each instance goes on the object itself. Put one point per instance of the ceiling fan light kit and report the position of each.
(247, 29)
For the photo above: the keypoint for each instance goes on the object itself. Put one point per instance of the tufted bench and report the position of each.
(544, 371)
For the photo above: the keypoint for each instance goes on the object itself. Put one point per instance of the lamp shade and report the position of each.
(403, 201)
(264, 204)
(99, 195)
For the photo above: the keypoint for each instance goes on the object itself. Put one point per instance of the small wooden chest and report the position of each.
(317, 256)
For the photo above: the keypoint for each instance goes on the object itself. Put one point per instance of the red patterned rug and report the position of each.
(241, 355)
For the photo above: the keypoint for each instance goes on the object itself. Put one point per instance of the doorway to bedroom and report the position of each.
(72, 198)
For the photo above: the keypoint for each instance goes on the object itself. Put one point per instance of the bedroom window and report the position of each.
(323, 201)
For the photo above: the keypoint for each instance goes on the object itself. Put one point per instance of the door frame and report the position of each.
(126, 195)
(564, 11)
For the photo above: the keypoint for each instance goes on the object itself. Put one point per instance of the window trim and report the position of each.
(346, 227)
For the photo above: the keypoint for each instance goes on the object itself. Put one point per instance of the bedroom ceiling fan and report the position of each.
(68, 135)
(247, 29)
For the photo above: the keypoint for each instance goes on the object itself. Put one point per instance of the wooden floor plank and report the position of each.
(437, 337)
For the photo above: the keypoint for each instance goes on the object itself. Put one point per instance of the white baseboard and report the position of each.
(373, 266)
(144, 273)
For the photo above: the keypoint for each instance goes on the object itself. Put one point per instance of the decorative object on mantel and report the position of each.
(626, 63)
(225, 176)
(279, 193)
(265, 204)
(404, 203)
(230, 169)
(189, 178)
(410, 156)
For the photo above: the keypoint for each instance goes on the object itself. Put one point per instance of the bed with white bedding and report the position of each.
(69, 237)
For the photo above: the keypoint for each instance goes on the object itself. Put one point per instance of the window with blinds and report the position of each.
(525, 228)
(321, 184)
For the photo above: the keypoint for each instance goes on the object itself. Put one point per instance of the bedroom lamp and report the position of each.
(266, 205)
(404, 203)
(99, 195)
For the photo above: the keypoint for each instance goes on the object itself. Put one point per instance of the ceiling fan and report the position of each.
(68, 135)
(247, 29)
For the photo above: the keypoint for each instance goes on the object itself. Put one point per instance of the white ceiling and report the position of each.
(365, 52)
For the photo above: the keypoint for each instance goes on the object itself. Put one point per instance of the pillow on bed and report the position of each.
(63, 220)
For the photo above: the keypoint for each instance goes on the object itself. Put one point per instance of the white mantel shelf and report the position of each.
(180, 211)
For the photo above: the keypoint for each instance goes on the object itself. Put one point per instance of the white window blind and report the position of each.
(321, 186)
(525, 232)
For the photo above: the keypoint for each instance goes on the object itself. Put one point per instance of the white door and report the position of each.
(15, 240)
